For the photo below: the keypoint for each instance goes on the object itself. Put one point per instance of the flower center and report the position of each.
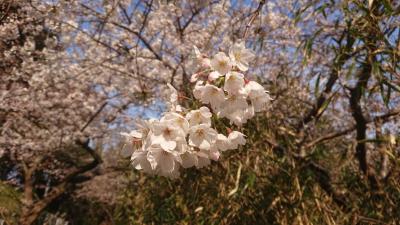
(167, 132)
(237, 56)
(181, 121)
(200, 132)
(222, 63)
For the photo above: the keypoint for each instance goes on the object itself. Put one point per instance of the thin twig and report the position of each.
(253, 17)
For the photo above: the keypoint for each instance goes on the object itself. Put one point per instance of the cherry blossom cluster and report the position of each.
(222, 84)
(186, 138)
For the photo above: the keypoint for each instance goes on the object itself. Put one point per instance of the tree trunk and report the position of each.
(30, 213)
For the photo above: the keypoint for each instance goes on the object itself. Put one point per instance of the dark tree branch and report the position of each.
(32, 211)
(94, 115)
(125, 13)
(342, 57)
(361, 123)
(314, 113)
(333, 135)
(321, 174)
(253, 17)
(145, 42)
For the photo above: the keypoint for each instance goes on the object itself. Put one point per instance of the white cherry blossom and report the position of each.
(260, 102)
(240, 56)
(254, 89)
(237, 138)
(234, 83)
(214, 154)
(173, 103)
(132, 140)
(214, 75)
(200, 116)
(232, 104)
(203, 159)
(189, 159)
(176, 120)
(221, 63)
(222, 142)
(166, 135)
(258, 95)
(213, 95)
(140, 162)
(239, 116)
(198, 90)
(133, 134)
(201, 60)
(202, 136)
(165, 161)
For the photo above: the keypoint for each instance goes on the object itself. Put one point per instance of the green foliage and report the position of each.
(272, 188)
(10, 205)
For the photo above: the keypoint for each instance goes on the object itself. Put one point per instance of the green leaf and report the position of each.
(388, 6)
(382, 90)
(309, 44)
(324, 106)
(376, 70)
(251, 180)
(316, 93)
(388, 95)
(299, 13)
(393, 86)
(350, 70)
(321, 9)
